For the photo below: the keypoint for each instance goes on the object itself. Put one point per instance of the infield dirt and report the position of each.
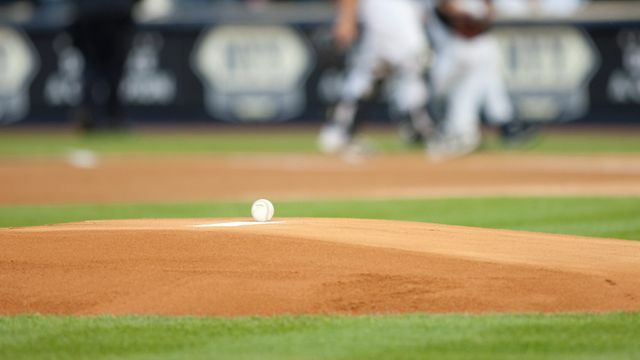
(309, 266)
(140, 178)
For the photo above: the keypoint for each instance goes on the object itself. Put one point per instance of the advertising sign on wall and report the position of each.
(548, 70)
(287, 69)
(18, 66)
(253, 73)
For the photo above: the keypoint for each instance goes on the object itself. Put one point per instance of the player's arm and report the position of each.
(483, 24)
(492, 10)
(346, 25)
(462, 22)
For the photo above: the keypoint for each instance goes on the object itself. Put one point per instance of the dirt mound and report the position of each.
(302, 266)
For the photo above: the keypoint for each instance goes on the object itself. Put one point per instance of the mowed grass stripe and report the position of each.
(279, 141)
(604, 336)
(599, 217)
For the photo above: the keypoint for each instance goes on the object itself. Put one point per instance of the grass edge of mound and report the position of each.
(593, 216)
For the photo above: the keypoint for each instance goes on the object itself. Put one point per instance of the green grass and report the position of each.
(56, 144)
(601, 217)
(608, 336)
(575, 144)
(23, 144)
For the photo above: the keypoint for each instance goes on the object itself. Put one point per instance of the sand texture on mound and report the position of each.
(309, 266)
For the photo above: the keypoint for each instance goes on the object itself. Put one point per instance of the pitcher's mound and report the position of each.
(303, 266)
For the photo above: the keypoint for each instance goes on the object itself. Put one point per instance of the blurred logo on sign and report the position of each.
(145, 82)
(548, 70)
(18, 65)
(64, 86)
(624, 83)
(253, 73)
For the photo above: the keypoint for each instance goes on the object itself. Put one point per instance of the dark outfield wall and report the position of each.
(224, 64)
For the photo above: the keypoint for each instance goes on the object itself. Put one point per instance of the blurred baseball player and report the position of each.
(467, 74)
(393, 36)
(102, 31)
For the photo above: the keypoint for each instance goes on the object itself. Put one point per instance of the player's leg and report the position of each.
(118, 46)
(459, 90)
(338, 133)
(464, 103)
(445, 69)
(460, 129)
(409, 100)
(500, 112)
(499, 109)
(88, 112)
(498, 105)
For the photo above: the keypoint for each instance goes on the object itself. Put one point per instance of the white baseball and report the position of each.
(262, 210)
